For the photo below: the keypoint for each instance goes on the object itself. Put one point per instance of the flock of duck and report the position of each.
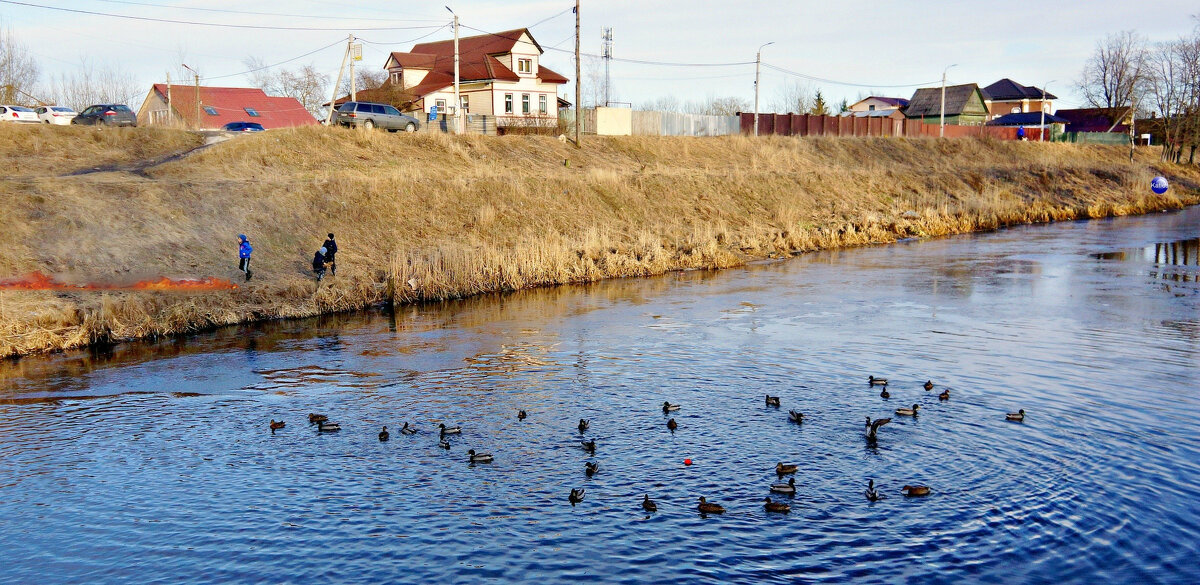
(324, 425)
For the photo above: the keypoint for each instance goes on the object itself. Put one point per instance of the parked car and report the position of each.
(371, 116)
(106, 115)
(243, 127)
(61, 115)
(17, 114)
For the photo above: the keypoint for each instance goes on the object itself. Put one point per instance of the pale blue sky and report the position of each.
(876, 44)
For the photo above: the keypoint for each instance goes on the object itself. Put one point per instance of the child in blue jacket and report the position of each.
(244, 251)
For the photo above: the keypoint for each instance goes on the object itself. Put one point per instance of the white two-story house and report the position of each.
(499, 75)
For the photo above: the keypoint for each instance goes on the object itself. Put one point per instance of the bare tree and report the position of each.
(1113, 75)
(18, 70)
(668, 103)
(719, 106)
(95, 84)
(306, 85)
(795, 97)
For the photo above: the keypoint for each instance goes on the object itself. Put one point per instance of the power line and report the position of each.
(215, 24)
(846, 83)
(248, 12)
(637, 61)
(425, 36)
(335, 43)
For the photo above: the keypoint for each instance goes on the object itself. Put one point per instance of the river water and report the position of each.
(153, 463)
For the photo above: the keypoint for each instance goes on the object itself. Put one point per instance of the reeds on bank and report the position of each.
(429, 217)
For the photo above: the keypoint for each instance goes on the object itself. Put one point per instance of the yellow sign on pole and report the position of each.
(356, 52)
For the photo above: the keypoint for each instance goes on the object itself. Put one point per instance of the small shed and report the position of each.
(964, 105)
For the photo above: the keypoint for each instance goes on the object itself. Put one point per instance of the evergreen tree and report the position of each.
(820, 108)
(845, 106)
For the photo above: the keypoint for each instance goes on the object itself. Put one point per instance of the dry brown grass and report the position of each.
(428, 216)
(28, 150)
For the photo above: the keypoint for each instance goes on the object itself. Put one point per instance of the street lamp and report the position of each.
(457, 100)
(942, 122)
(757, 63)
(197, 76)
(1042, 136)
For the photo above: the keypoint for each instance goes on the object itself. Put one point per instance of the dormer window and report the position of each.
(524, 65)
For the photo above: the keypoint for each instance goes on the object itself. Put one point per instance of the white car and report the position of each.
(60, 115)
(17, 114)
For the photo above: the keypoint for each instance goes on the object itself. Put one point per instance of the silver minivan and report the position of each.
(372, 116)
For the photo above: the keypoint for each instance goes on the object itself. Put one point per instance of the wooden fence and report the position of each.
(814, 125)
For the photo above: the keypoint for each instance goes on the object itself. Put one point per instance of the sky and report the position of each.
(855, 48)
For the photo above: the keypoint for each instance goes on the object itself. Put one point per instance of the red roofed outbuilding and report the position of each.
(219, 106)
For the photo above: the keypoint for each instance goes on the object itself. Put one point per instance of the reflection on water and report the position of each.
(152, 462)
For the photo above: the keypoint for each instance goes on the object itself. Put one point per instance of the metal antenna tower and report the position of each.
(606, 52)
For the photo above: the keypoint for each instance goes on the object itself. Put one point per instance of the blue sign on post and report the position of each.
(432, 113)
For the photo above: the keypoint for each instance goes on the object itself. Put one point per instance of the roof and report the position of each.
(1026, 119)
(927, 101)
(885, 113)
(1007, 89)
(477, 61)
(485, 44)
(230, 103)
(1095, 119)
(895, 102)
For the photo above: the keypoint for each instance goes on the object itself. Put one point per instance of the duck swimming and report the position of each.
(649, 505)
(590, 468)
(589, 446)
(908, 411)
(928, 385)
(796, 417)
(449, 430)
(945, 395)
(706, 508)
(444, 444)
(407, 430)
(668, 407)
(872, 495)
(884, 393)
(328, 427)
(671, 424)
(316, 418)
(782, 469)
(1018, 416)
(784, 488)
(780, 507)
(772, 401)
(277, 425)
(873, 427)
(915, 491)
(583, 425)
(576, 496)
(872, 380)
(383, 435)
(521, 415)
(474, 457)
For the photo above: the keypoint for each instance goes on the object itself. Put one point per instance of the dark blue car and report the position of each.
(243, 127)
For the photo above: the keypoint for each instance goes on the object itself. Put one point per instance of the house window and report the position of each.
(542, 104)
(440, 105)
(396, 77)
(465, 103)
(508, 103)
(210, 110)
(870, 108)
(524, 65)
(253, 113)
(524, 103)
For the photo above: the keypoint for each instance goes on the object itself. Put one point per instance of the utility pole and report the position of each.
(757, 64)
(170, 114)
(606, 52)
(195, 73)
(457, 99)
(355, 55)
(336, 85)
(942, 120)
(578, 89)
(1042, 137)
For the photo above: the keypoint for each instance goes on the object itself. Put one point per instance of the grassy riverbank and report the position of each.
(425, 216)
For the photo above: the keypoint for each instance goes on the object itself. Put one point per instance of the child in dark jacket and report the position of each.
(318, 264)
(331, 254)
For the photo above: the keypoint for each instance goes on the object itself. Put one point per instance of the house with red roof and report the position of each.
(219, 106)
(500, 75)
